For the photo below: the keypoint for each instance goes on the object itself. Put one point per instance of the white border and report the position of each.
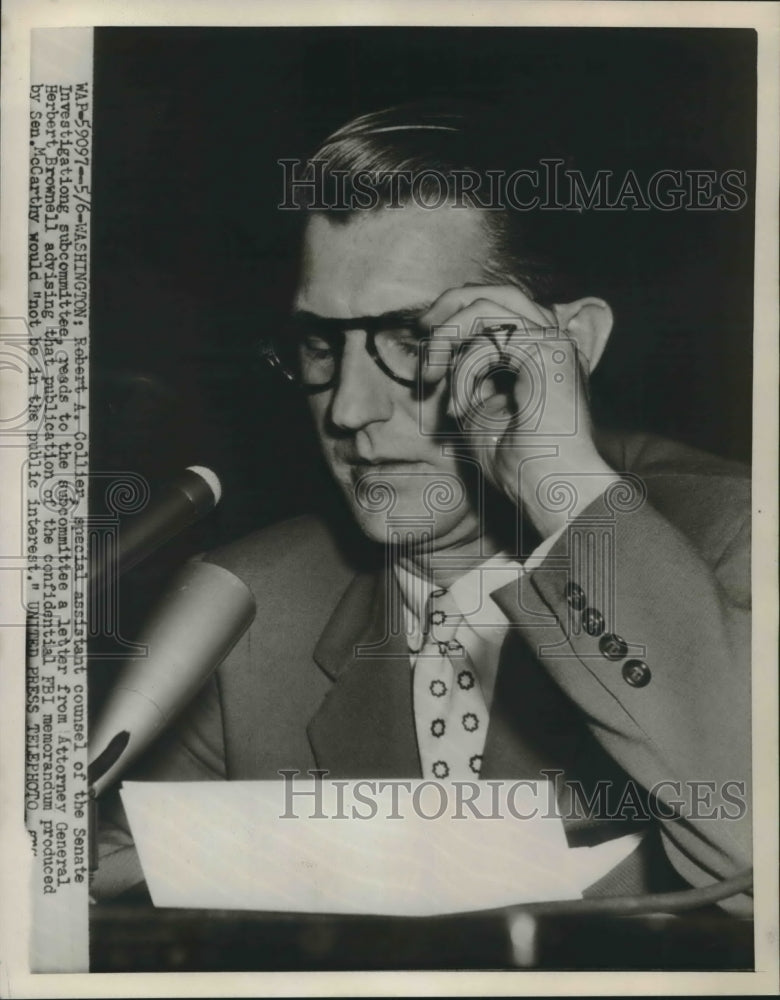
(19, 16)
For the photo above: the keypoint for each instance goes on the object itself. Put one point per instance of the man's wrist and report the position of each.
(560, 491)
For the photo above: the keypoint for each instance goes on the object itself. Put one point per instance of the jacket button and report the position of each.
(593, 621)
(575, 595)
(636, 673)
(613, 646)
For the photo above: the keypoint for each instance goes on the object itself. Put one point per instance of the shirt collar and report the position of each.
(470, 592)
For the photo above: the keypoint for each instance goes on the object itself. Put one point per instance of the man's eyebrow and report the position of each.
(407, 316)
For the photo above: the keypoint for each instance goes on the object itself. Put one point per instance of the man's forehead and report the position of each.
(388, 259)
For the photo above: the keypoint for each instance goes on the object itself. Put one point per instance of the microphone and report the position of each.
(199, 619)
(181, 502)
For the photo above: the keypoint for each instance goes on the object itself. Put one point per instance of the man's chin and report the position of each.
(407, 502)
(409, 524)
(392, 532)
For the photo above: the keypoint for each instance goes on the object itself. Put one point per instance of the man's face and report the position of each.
(375, 433)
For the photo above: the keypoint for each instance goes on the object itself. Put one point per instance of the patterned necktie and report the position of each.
(449, 710)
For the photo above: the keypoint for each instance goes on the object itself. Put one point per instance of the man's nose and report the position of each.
(361, 395)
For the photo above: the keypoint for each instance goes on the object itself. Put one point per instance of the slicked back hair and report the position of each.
(436, 145)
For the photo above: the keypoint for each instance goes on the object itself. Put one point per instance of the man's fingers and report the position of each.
(461, 314)
(481, 319)
(509, 297)
(501, 362)
(493, 376)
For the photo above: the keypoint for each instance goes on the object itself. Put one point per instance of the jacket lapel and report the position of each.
(364, 728)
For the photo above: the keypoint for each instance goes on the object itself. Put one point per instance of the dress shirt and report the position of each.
(485, 625)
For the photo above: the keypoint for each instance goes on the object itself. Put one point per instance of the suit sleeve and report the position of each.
(193, 750)
(651, 641)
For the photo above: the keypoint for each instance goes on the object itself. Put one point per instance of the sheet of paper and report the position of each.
(409, 848)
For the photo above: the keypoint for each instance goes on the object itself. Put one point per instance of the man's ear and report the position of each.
(589, 322)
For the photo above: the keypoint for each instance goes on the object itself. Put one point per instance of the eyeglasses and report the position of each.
(309, 355)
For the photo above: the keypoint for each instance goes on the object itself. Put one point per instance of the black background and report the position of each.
(192, 261)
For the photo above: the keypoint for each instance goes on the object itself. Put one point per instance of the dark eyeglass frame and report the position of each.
(370, 325)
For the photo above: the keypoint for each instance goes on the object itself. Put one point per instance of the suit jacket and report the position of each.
(322, 677)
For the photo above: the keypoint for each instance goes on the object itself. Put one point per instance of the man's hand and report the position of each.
(518, 388)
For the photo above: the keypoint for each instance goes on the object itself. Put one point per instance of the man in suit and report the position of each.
(599, 583)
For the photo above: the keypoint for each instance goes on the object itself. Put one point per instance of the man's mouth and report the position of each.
(378, 468)
(353, 458)
(360, 466)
